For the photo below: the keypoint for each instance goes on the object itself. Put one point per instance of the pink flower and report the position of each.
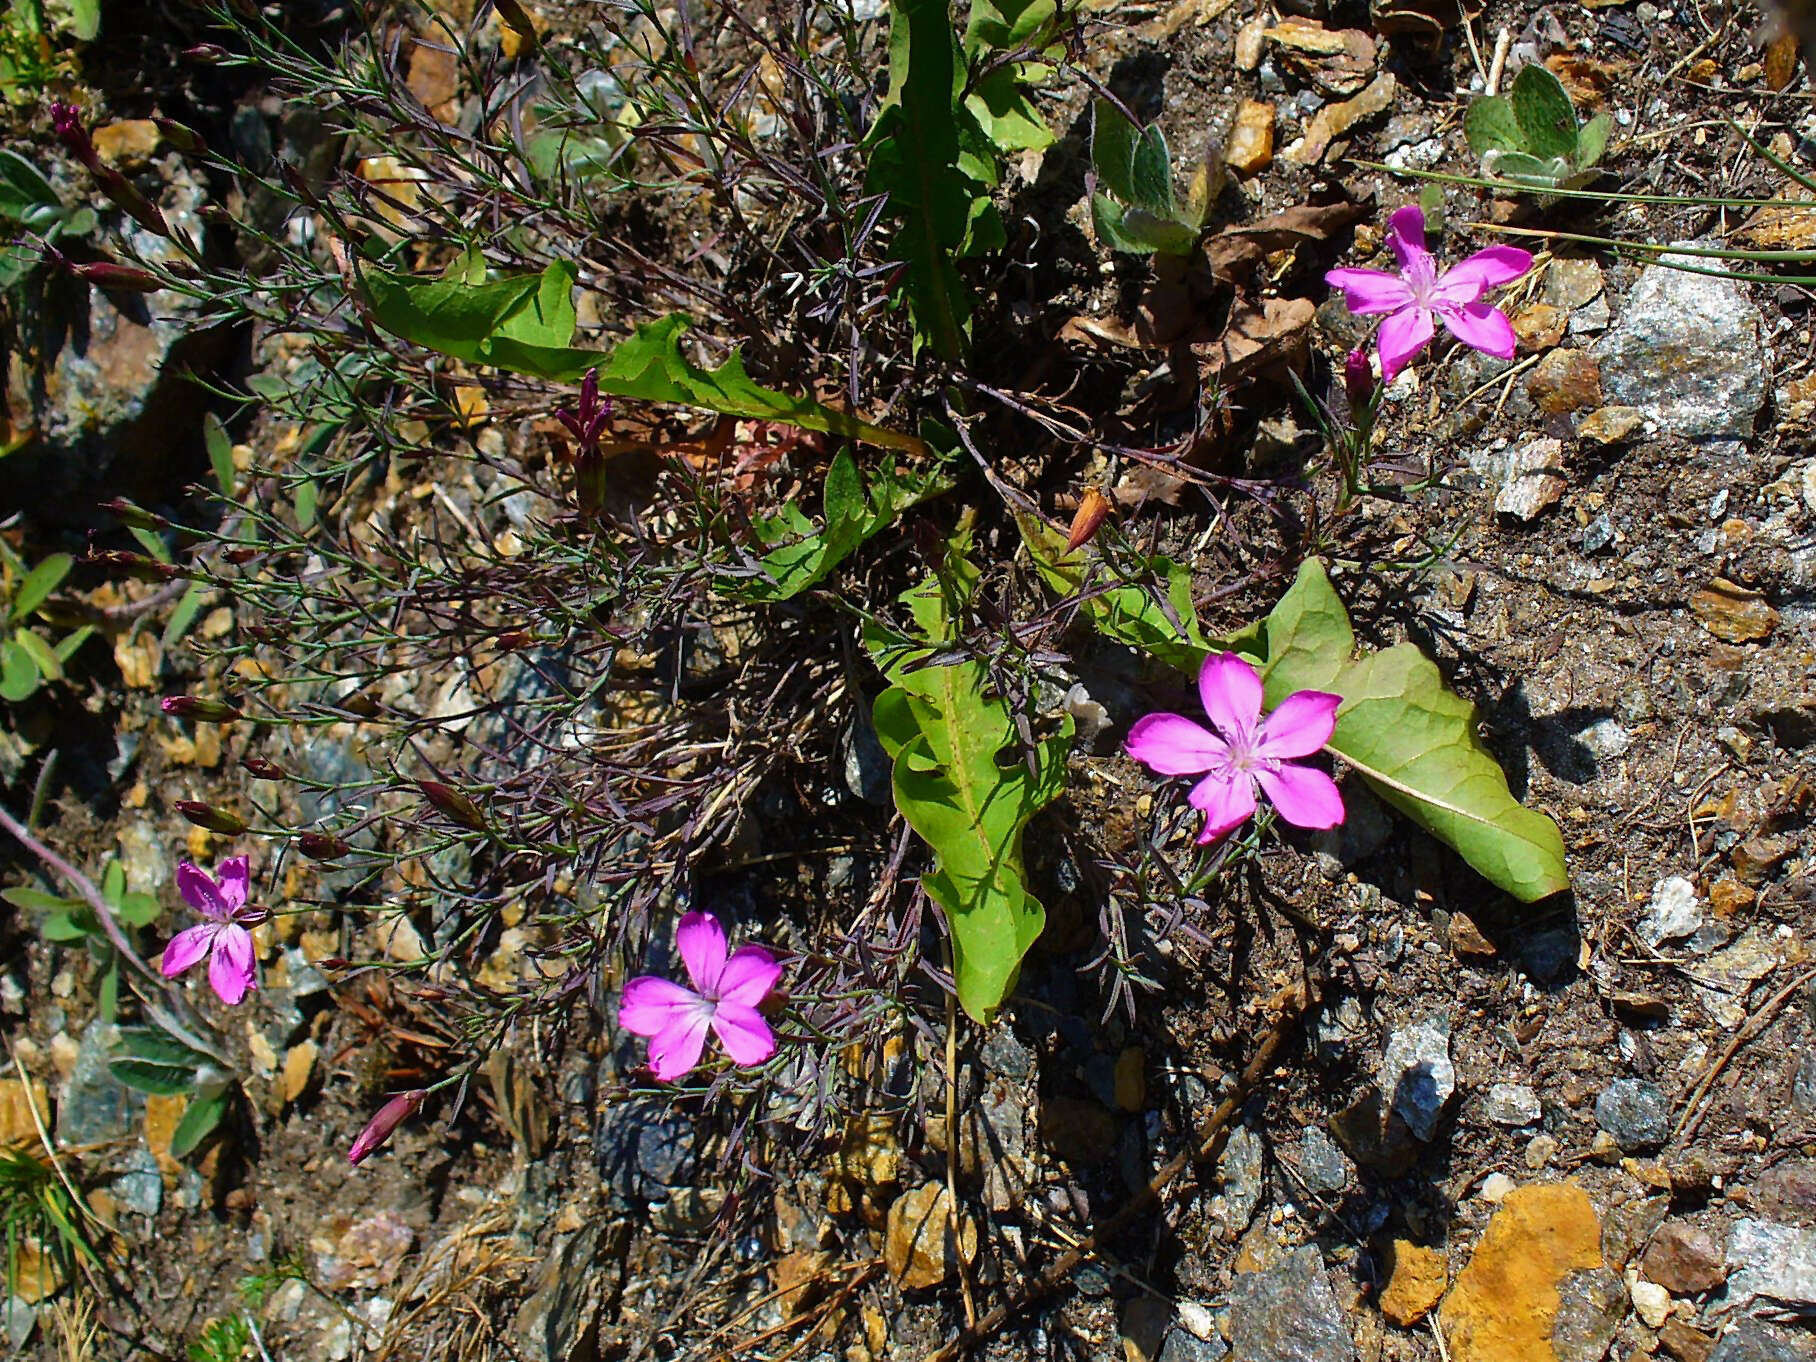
(1251, 750)
(232, 966)
(1410, 298)
(387, 1119)
(725, 997)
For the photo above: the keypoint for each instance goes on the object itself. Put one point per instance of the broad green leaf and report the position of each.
(1132, 162)
(915, 158)
(1130, 613)
(1005, 24)
(856, 509)
(152, 1046)
(960, 780)
(1592, 140)
(160, 1080)
(1413, 739)
(64, 927)
(18, 673)
(81, 19)
(220, 453)
(1002, 108)
(1489, 125)
(1163, 235)
(1546, 173)
(113, 882)
(200, 1118)
(151, 542)
(38, 584)
(137, 910)
(36, 901)
(496, 324)
(1542, 107)
(23, 186)
(306, 495)
(43, 656)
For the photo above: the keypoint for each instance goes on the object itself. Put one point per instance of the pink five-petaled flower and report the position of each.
(223, 938)
(1410, 298)
(1246, 750)
(726, 994)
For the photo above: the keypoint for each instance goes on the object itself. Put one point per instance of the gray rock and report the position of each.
(143, 856)
(1239, 1180)
(1606, 739)
(18, 1320)
(1324, 1167)
(1673, 912)
(1770, 1261)
(1635, 1112)
(558, 1322)
(1184, 1346)
(1591, 1304)
(1513, 1105)
(1687, 351)
(1003, 1053)
(1288, 1313)
(1754, 1340)
(95, 1108)
(642, 1149)
(1550, 957)
(1418, 1076)
(141, 1187)
(1803, 1085)
(868, 770)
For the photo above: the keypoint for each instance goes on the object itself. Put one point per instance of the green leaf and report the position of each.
(183, 616)
(36, 901)
(65, 927)
(856, 509)
(151, 542)
(1517, 166)
(220, 453)
(113, 882)
(1132, 162)
(507, 323)
(1542, 108)
(1411, 738)
(916, 159)
(81, 19)
(23, 186)
(200, 1118)
(160, 1080)
(1592, 140)
(1005, 113)
(1005, 24)
(1161, 235)
(38, 584)
(1132, 613)
(306, 494)
(151, 1046)
(18, 673)
(137, 909)
(1490, 125)
(43, 656)
(960, 780)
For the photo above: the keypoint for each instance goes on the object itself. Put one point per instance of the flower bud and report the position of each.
(207, 53)
(137, 565)
(388, 1118)
(66, 122)
(1358, 379)
(207, 816)
(320, 846)
(1092, 508)
(195, 707)
(110, 274)
(453, 803)
(129, 200)
(136, 515)
(184, 139)
(262, 768)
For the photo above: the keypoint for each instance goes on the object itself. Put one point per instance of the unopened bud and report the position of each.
(66, 122)
(263, 768)
(511, 13)
(453, 803)
(1358, 379)
(195, 707)
(207, 816)
(185, 140)
(136, 565)
(388, 1118)
(319, 846)
(512, 639)
(110, 274)
(208, 53)
(1092, 508)
(136, 515)
(129, 200)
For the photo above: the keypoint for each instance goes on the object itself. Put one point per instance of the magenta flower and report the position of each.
(387, 1119)
(223, 938)
(1412, 297)
(1246, 750)
(726, 994)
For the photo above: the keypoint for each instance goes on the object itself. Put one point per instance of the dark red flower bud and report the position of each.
(129, 200)
(261, 768)
(195, 707)
(185, 140)
(110, 274)
(389, 1117)
(207, 816)
(453, 803)
(512, 639)
(137, 565)
(66, 122)
(136, 515)
(1358, 379)
(319, 846)
(206, 52)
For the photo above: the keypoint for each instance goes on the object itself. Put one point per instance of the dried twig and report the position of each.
(1697, 1106)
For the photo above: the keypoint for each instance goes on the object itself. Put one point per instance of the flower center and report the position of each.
(1420, 277)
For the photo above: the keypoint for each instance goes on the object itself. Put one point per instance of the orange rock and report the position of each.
(1414, 1284)
(1505, 1302)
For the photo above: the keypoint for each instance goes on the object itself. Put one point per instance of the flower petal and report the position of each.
(1230, 688)
(1299, 725)
(1406, 238)
(233, 967)
(674, 1051)
(749, 976)
(1468, 280)
(745, 1035)
(1368, 292)
(235, 882)
(201, 893)
(1481, 327)
(1401, 337)
(702, 943)
(187, 947)
(1172, 745)
(651, 1004)
(1304, 795)
(1226, 801)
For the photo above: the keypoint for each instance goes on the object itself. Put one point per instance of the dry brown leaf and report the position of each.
(1258, 337)
(1333, 120)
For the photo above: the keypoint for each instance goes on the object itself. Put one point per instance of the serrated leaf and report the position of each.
(1411, 738)
(200, 1118)
(498, 329)
(35, 589)
(18, 673)
(220, 453)
(959, 779)
(1159, 621)
(1546, 117)
(856, 509)
(1489, 125)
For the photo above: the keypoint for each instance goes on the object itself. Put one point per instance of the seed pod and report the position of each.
(453, 803)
